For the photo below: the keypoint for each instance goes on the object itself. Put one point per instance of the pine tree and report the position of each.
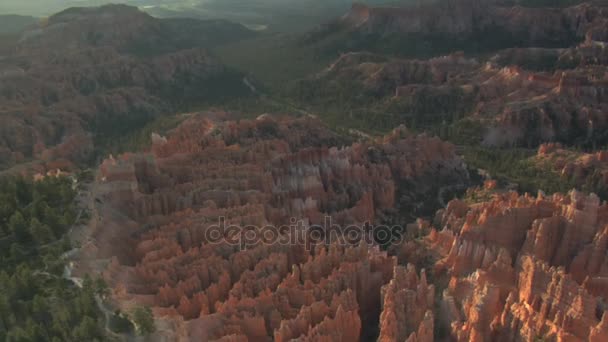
(87, 330)
(41, 233)
(144, 320)
(101, 287)
(18, 226)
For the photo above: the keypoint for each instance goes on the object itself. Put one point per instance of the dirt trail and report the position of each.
(81, 236)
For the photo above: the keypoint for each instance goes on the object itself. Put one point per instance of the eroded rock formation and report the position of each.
(510, 268)
(408, 302)
(522, 96)
(175, 223)
(523, 267)
(514, 105)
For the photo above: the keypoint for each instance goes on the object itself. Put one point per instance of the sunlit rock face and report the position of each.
(157, 210)
(523, 267)
(408, 302)
(98, 71)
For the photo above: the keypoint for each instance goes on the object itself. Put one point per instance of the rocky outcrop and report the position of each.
(408, 302)
(523, 267)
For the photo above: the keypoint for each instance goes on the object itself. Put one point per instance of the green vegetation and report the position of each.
(464, 132)
(137, 139)
(568, 62)
(515, 167)
(36, 302)
(478, 195)
(595, 183)
(120, 323)
(143, 320)
(187, 33)
(110, 131)
(177, 34)
(541, 60)
(427, 107)
(347, 101)
(273, 59)
(128, 132)
(416, 45)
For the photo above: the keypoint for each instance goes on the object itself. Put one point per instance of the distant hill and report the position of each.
(91, 75)
(11, 23)
(432, 29)
(205, 33)
(550, 3)
(130, 30)
(524, 95)
(270, 15)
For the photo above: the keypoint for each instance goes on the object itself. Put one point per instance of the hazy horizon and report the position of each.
(38, 8)
(44, 8)
(276, 15)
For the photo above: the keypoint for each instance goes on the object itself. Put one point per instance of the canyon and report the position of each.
(158, 212)
(354, 209)
(520, 97)
(508, 267)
